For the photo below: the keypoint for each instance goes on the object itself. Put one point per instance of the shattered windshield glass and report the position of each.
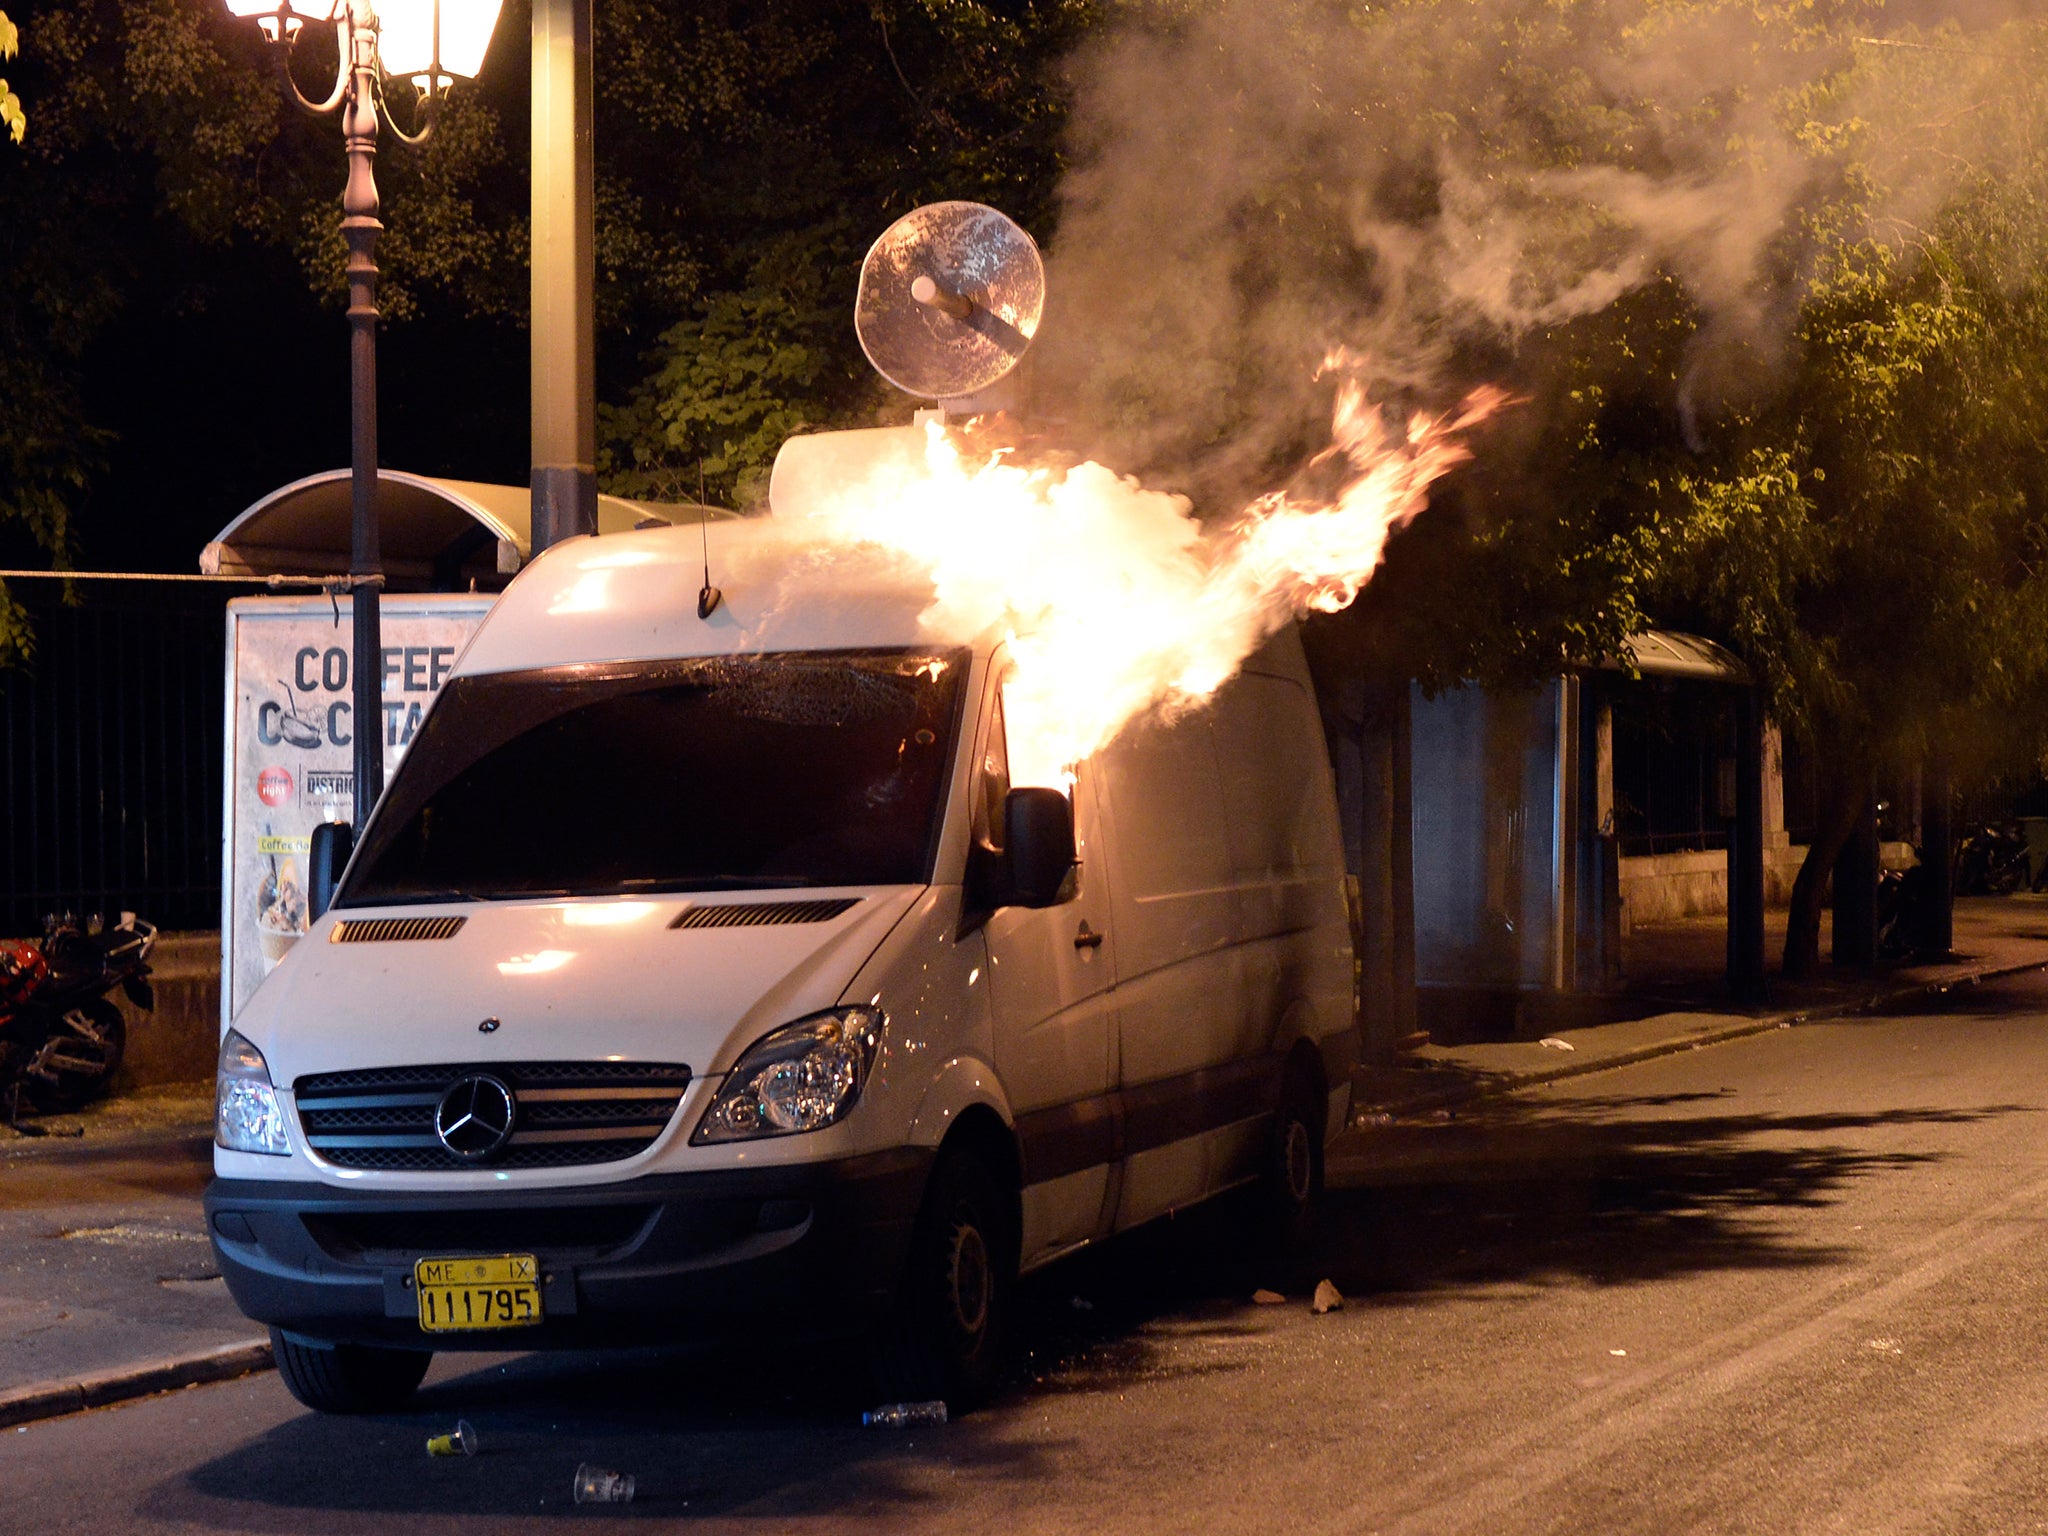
(720, 773)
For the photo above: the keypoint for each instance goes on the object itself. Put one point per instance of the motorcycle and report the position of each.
(1905, 902)
(1992, 860)
(61, 1038)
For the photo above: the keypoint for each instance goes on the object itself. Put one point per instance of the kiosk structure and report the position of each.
(449, 548)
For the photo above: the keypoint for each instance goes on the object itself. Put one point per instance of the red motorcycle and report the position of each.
(61, 1038)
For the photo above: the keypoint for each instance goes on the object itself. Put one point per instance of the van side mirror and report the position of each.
(1038, 846)
(333, 841)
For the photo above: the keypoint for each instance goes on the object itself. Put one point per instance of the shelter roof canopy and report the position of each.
(433, 532)
(1667, 653)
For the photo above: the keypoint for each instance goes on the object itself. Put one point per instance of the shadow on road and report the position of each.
(1612, 1191)
(1606, 1191)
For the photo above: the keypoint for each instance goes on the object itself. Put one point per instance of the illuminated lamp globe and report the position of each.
(281, 19)
(405, 39)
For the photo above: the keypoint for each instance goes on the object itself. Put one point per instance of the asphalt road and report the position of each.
(1793, 1283)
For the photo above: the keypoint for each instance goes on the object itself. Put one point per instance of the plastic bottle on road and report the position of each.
(905, 1415)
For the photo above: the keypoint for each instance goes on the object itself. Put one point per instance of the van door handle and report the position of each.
(1087, 938)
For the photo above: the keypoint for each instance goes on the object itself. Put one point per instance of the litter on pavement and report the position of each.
(905, 1415)
(598, 1485)
(459, 1441)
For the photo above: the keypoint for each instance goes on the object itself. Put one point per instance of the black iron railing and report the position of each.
(1702, 840)
(111, 777)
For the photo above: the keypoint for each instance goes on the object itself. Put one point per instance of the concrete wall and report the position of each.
(1668, 886)
(1671, 886)
(177, 1041)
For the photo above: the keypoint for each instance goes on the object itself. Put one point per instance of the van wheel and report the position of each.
(953, 1317)
(348, 1378)
(1291, 1180)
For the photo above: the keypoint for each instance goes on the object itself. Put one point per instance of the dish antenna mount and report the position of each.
(950, 298)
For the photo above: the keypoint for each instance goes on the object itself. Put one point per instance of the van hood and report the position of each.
(577, 980)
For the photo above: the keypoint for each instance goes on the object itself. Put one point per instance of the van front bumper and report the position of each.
(670, 1257)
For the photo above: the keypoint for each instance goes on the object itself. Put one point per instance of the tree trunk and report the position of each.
(1937, 935)
(1858, 868)
(1839, 814)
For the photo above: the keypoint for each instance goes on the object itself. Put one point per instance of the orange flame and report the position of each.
(1115, 600)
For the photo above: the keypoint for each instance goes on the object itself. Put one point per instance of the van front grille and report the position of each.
(565, 1113)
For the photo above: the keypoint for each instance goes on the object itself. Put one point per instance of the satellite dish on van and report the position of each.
(950, 298)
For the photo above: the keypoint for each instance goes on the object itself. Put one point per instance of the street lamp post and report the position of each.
(432, 42)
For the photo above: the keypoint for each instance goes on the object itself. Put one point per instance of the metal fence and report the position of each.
(112, 777)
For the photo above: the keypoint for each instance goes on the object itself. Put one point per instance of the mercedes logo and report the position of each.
(474, 1118)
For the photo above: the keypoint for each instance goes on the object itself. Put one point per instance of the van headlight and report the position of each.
(246, 1117)
(802, 1077)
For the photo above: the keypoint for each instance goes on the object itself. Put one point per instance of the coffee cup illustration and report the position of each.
(280, 910)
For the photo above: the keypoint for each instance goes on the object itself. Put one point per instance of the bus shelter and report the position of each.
(448, 548)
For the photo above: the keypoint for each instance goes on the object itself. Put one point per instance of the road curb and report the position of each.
(1735, 1029)
(49, 1399)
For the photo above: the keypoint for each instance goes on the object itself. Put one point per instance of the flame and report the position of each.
(1115, 600)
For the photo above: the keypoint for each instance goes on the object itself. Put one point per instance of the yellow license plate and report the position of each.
(499, 1291)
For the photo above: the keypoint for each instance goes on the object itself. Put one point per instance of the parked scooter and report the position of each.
(1905, 901)
(1992, 860)
(61, 1038)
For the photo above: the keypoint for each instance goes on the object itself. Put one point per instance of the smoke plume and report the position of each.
(1255, 181)
(1277, 202)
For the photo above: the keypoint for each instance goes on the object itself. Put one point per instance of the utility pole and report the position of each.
(564, 242)
(360, 227)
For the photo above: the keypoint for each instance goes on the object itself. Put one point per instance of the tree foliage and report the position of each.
(747, 152)
(1841, 479)
(1870, 531)
(12, 117)
(815, 126)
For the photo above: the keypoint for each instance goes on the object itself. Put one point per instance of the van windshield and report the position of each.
(718, 773)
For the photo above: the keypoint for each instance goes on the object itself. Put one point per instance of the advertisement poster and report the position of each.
(291, 755)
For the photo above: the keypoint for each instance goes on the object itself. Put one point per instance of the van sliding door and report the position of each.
(1180, 989)
(1050, 971)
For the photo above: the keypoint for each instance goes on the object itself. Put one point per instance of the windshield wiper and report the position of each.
(403, 898)
(679, 885)
(436, 894)
(684, 884)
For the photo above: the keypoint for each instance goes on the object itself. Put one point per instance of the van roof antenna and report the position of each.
(708, 598)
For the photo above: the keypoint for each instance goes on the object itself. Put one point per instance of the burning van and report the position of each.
(695, 970)
(821, 920)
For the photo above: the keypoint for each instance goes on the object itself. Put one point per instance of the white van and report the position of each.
(696, 972)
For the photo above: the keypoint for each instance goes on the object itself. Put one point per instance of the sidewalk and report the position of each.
(107, 1285)
(1676, 985)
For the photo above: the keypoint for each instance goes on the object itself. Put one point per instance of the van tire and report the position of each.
(348, 1378)
(950, 1334)
(1291, 1175)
